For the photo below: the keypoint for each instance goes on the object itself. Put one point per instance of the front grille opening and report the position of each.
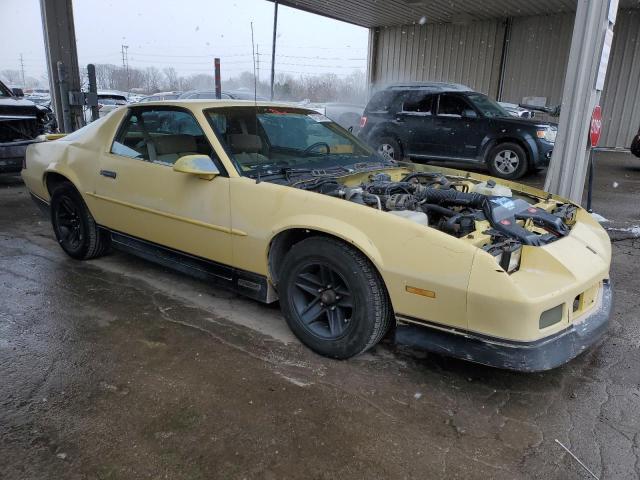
(576, 303)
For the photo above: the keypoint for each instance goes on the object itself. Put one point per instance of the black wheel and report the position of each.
(74, 226)
(507, 160)
(333, 298)
(389, 148)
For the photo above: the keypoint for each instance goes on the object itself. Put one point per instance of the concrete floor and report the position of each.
(118, 369)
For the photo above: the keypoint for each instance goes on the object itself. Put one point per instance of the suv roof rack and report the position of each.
(440, 86)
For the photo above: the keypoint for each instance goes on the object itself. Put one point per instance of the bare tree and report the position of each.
(11, 76)
(172, 79)
(153, 78)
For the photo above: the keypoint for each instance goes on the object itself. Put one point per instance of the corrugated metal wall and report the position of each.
(467, 54)
(536, 60)
(621, 95)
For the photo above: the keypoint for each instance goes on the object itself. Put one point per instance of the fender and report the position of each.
(333, 227)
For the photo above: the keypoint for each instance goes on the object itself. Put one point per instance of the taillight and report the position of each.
(363, 121)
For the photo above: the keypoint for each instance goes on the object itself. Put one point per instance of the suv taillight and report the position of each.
(363, 121)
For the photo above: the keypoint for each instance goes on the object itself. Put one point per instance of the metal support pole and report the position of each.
(372, 59)
(93, 89)
(568, 168)
(60, 46)
(273, 44)
(216, 63)
(63, 90)
(590, 188)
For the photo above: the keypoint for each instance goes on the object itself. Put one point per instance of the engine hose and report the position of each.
(430, 175)
(444, 211)
(453, 197)
(450, 225)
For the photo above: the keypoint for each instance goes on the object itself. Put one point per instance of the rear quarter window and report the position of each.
(381, 101)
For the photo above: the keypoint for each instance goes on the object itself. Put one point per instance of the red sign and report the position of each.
(596, 126)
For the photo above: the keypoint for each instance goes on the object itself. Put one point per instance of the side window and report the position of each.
(451, 105)
(161, 136)
(418, 103)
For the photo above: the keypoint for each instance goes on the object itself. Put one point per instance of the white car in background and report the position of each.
(517, 110)
(108, 100)
(347, 115)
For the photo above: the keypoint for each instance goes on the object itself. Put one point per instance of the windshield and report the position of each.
(264, 139)
(488, 107)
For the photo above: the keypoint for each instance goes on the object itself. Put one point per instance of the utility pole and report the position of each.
(22, 70)
(60, 45)
(125, 64)
(258, 61)
(273, 44)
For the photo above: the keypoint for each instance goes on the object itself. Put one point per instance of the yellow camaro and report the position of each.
(277, 202)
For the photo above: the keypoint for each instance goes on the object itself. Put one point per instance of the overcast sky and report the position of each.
(187, 35)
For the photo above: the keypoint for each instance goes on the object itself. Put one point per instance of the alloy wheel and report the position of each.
(323, 301)
(387, 151)
(70, 228)
(506, 161)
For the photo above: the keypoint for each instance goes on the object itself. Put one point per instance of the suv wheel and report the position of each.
(333, 298)
(508, 161)
(389, 148)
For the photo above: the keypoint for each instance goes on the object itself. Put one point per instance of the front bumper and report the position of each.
(545, 149)
(544, 354)
(11, 156)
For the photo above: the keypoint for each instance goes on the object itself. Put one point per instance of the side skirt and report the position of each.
(240, 281)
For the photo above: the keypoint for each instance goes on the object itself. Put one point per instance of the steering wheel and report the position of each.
(311, 148)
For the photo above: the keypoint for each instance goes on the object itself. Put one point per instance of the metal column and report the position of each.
(372, 57)
(568, 168)
(60, 45)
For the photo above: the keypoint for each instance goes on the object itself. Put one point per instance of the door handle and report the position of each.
(399, 119)
(108, 173)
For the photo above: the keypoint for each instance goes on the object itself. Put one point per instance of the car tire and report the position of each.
(74, 226)
(389, 147)
(332, 298)
(507, 160)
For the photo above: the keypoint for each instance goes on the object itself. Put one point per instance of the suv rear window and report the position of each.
(381, 101)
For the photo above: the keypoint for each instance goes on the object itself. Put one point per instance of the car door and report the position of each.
(458, 127)
(416, 120)
(139, 194)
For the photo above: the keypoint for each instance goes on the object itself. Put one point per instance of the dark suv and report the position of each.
(446, 121)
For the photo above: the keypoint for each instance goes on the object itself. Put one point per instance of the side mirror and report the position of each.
(469, 113)
(17, 92)
(200, 165)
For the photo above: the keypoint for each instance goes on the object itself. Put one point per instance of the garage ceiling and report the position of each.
(378, 13)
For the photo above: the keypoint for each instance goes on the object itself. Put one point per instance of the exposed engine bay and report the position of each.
(488, 215)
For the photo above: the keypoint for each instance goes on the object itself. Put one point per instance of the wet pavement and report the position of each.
(119, 369)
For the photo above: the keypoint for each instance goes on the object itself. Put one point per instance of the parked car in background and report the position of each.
(160, 96)
(635, 144)
(133, 97)
(347, 115)
(224, 95)
(21, 122)
(516, 110)
(451, 122)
